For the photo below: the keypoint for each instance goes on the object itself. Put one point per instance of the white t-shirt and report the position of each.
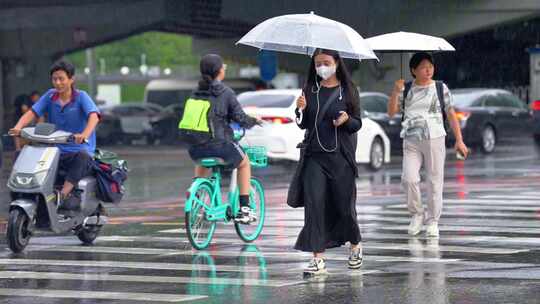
(423, 118)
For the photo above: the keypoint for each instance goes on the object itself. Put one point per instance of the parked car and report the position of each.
(490, 116)
(535, 107)
(167, 126)
(130, 121)
(108, 130)
(375, 106)
(281, 134)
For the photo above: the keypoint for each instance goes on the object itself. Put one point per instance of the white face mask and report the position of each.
(326, 72)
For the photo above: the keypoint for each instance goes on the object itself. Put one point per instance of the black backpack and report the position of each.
(440, 94)
(111, 173)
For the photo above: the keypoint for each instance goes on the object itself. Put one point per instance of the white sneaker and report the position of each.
(245, 216)
(432, 230)
(316, 266)
(416, 224)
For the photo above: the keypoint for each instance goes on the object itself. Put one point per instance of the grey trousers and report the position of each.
(431, 153)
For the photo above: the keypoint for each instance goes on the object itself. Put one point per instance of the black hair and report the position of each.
(21, 100)
(63, 65)
(34, 92)
(417, 58)
(342, 74)
(210, 66)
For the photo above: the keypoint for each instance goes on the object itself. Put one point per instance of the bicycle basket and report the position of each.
(257, 156)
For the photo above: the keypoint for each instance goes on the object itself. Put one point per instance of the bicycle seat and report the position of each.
(211, 162)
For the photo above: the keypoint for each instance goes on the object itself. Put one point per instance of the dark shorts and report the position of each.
(230, 152)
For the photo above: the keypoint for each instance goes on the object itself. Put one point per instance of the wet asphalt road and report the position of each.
(488, 251)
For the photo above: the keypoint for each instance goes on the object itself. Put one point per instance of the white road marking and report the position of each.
(144, 279)
(102, 295)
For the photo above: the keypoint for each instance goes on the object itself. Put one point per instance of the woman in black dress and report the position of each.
(329, 169)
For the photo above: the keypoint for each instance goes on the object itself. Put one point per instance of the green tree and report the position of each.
(161, 49)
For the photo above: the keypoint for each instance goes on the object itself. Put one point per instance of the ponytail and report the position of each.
(204, 83)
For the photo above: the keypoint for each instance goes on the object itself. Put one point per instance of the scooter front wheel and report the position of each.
(18, 233)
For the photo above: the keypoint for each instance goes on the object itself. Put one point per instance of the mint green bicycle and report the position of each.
(205, 206)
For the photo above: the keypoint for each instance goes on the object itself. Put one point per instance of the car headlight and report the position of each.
(28, 181)
(462, 117)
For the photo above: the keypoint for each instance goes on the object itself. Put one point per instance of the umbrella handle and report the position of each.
(401, 65)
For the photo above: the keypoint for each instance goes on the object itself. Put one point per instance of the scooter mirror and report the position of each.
(44, 129)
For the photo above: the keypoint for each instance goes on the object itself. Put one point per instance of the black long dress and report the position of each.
(329, 177)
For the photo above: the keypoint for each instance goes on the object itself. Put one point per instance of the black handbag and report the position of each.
(295, 194)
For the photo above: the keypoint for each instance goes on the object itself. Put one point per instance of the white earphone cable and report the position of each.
(317, 118)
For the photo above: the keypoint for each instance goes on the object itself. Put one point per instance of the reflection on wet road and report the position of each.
(487, 252)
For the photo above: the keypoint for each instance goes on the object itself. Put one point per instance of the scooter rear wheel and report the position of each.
(88, 235)
(18, 234)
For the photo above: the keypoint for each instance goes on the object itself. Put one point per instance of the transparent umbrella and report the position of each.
(403, 42)
(304, 33)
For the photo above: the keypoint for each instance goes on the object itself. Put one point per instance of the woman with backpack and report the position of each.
(217, 140)
(329, 108)
(423, 132)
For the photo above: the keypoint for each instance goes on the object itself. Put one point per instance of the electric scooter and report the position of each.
(33, 192)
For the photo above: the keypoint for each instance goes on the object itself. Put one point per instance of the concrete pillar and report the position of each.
(534, 90)
(91, 63)
(1, 99)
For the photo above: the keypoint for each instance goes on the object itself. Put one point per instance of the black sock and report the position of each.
(244, 200)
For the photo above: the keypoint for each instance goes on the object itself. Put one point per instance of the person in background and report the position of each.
(34, 96)
(22, 102)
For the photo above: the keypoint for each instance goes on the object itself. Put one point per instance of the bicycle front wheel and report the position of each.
(249, 233)
(198, 228)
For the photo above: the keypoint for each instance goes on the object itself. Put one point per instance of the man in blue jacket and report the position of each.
(72, 111)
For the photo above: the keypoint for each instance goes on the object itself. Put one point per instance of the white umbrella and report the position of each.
(304, 33)
(400, 42)
(408, 42)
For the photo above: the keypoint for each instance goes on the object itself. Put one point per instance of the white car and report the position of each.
(281, 134)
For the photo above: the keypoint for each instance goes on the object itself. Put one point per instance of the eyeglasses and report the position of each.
(224, 66)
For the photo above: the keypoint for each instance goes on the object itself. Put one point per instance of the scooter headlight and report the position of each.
(27, 181)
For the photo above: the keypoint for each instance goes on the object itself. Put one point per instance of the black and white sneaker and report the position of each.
(355, 258)
(69, 203)
(316, 266)
(245, 216)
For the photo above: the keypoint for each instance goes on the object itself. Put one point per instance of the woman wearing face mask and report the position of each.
(329, 169)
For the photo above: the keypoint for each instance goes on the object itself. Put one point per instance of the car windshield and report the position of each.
(266, 100)
(465, 99)
(373, 104)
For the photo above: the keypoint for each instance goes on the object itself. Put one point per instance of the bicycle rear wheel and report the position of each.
(249, 233)
(198, 228)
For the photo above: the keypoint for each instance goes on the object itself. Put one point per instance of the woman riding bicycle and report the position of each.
(224, 110)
